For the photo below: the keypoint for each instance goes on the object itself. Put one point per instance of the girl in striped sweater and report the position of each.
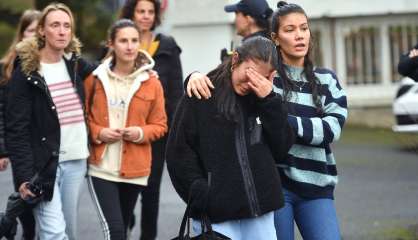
(317, 112)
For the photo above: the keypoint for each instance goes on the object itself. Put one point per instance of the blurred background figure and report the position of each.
(25, 28)
(408, 64)
(166, 53)
(405, 105)
(251, 18)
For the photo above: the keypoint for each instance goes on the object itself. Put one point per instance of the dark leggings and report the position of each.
(115, 203)
(151, 194)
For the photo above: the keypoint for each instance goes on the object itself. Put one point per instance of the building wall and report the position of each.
(201, 45)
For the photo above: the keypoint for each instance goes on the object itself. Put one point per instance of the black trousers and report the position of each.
(115, 203)
(151, 194)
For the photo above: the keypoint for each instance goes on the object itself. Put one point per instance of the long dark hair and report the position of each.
(128, 11)
(283, 9)
(255, 48)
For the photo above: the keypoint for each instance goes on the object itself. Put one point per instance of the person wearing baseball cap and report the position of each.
(251, 17)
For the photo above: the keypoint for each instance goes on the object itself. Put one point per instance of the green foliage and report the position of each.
(16, 6)
(378, 136)
(6, 37)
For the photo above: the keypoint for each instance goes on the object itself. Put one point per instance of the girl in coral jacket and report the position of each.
(125, 107)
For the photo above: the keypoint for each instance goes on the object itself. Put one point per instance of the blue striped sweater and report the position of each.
(310, 170)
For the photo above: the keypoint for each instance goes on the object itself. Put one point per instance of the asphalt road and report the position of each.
(377, 197)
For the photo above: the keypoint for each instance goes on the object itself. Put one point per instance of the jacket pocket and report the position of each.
(141, 104)
(145, 95)
(256, 131)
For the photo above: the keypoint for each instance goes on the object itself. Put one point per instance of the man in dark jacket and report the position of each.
(251, 18)
(408, 64)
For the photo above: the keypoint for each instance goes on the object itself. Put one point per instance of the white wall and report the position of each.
(343, 8)
(201, 45)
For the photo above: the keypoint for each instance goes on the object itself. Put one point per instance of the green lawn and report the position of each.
(378, 136)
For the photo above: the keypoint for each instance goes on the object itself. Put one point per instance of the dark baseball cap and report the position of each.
(254, 8)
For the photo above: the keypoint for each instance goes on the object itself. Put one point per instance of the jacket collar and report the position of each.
(29, 55)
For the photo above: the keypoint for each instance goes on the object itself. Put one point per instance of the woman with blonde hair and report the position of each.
(25, 28)
(47, 134)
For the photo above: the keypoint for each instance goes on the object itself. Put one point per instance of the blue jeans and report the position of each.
(57, 219)
(316, 218)
(244, 229)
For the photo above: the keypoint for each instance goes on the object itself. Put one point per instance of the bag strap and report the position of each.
(185, 223)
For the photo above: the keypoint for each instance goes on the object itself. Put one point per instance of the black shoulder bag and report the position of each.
(207, 231)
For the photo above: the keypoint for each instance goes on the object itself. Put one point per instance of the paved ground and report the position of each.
(377, 197)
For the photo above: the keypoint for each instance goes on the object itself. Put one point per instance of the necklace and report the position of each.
(300, 86)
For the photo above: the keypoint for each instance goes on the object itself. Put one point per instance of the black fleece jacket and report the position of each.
(227, 169)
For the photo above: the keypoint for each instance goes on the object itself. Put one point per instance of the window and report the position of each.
(401, 38)
(317, 57)
(362, 53)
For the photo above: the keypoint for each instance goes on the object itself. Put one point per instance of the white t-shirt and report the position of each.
(70, 112)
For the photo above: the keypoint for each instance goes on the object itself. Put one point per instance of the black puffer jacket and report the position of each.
(32, 126)
(409, 66)
(168, 66)
(229, 168)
